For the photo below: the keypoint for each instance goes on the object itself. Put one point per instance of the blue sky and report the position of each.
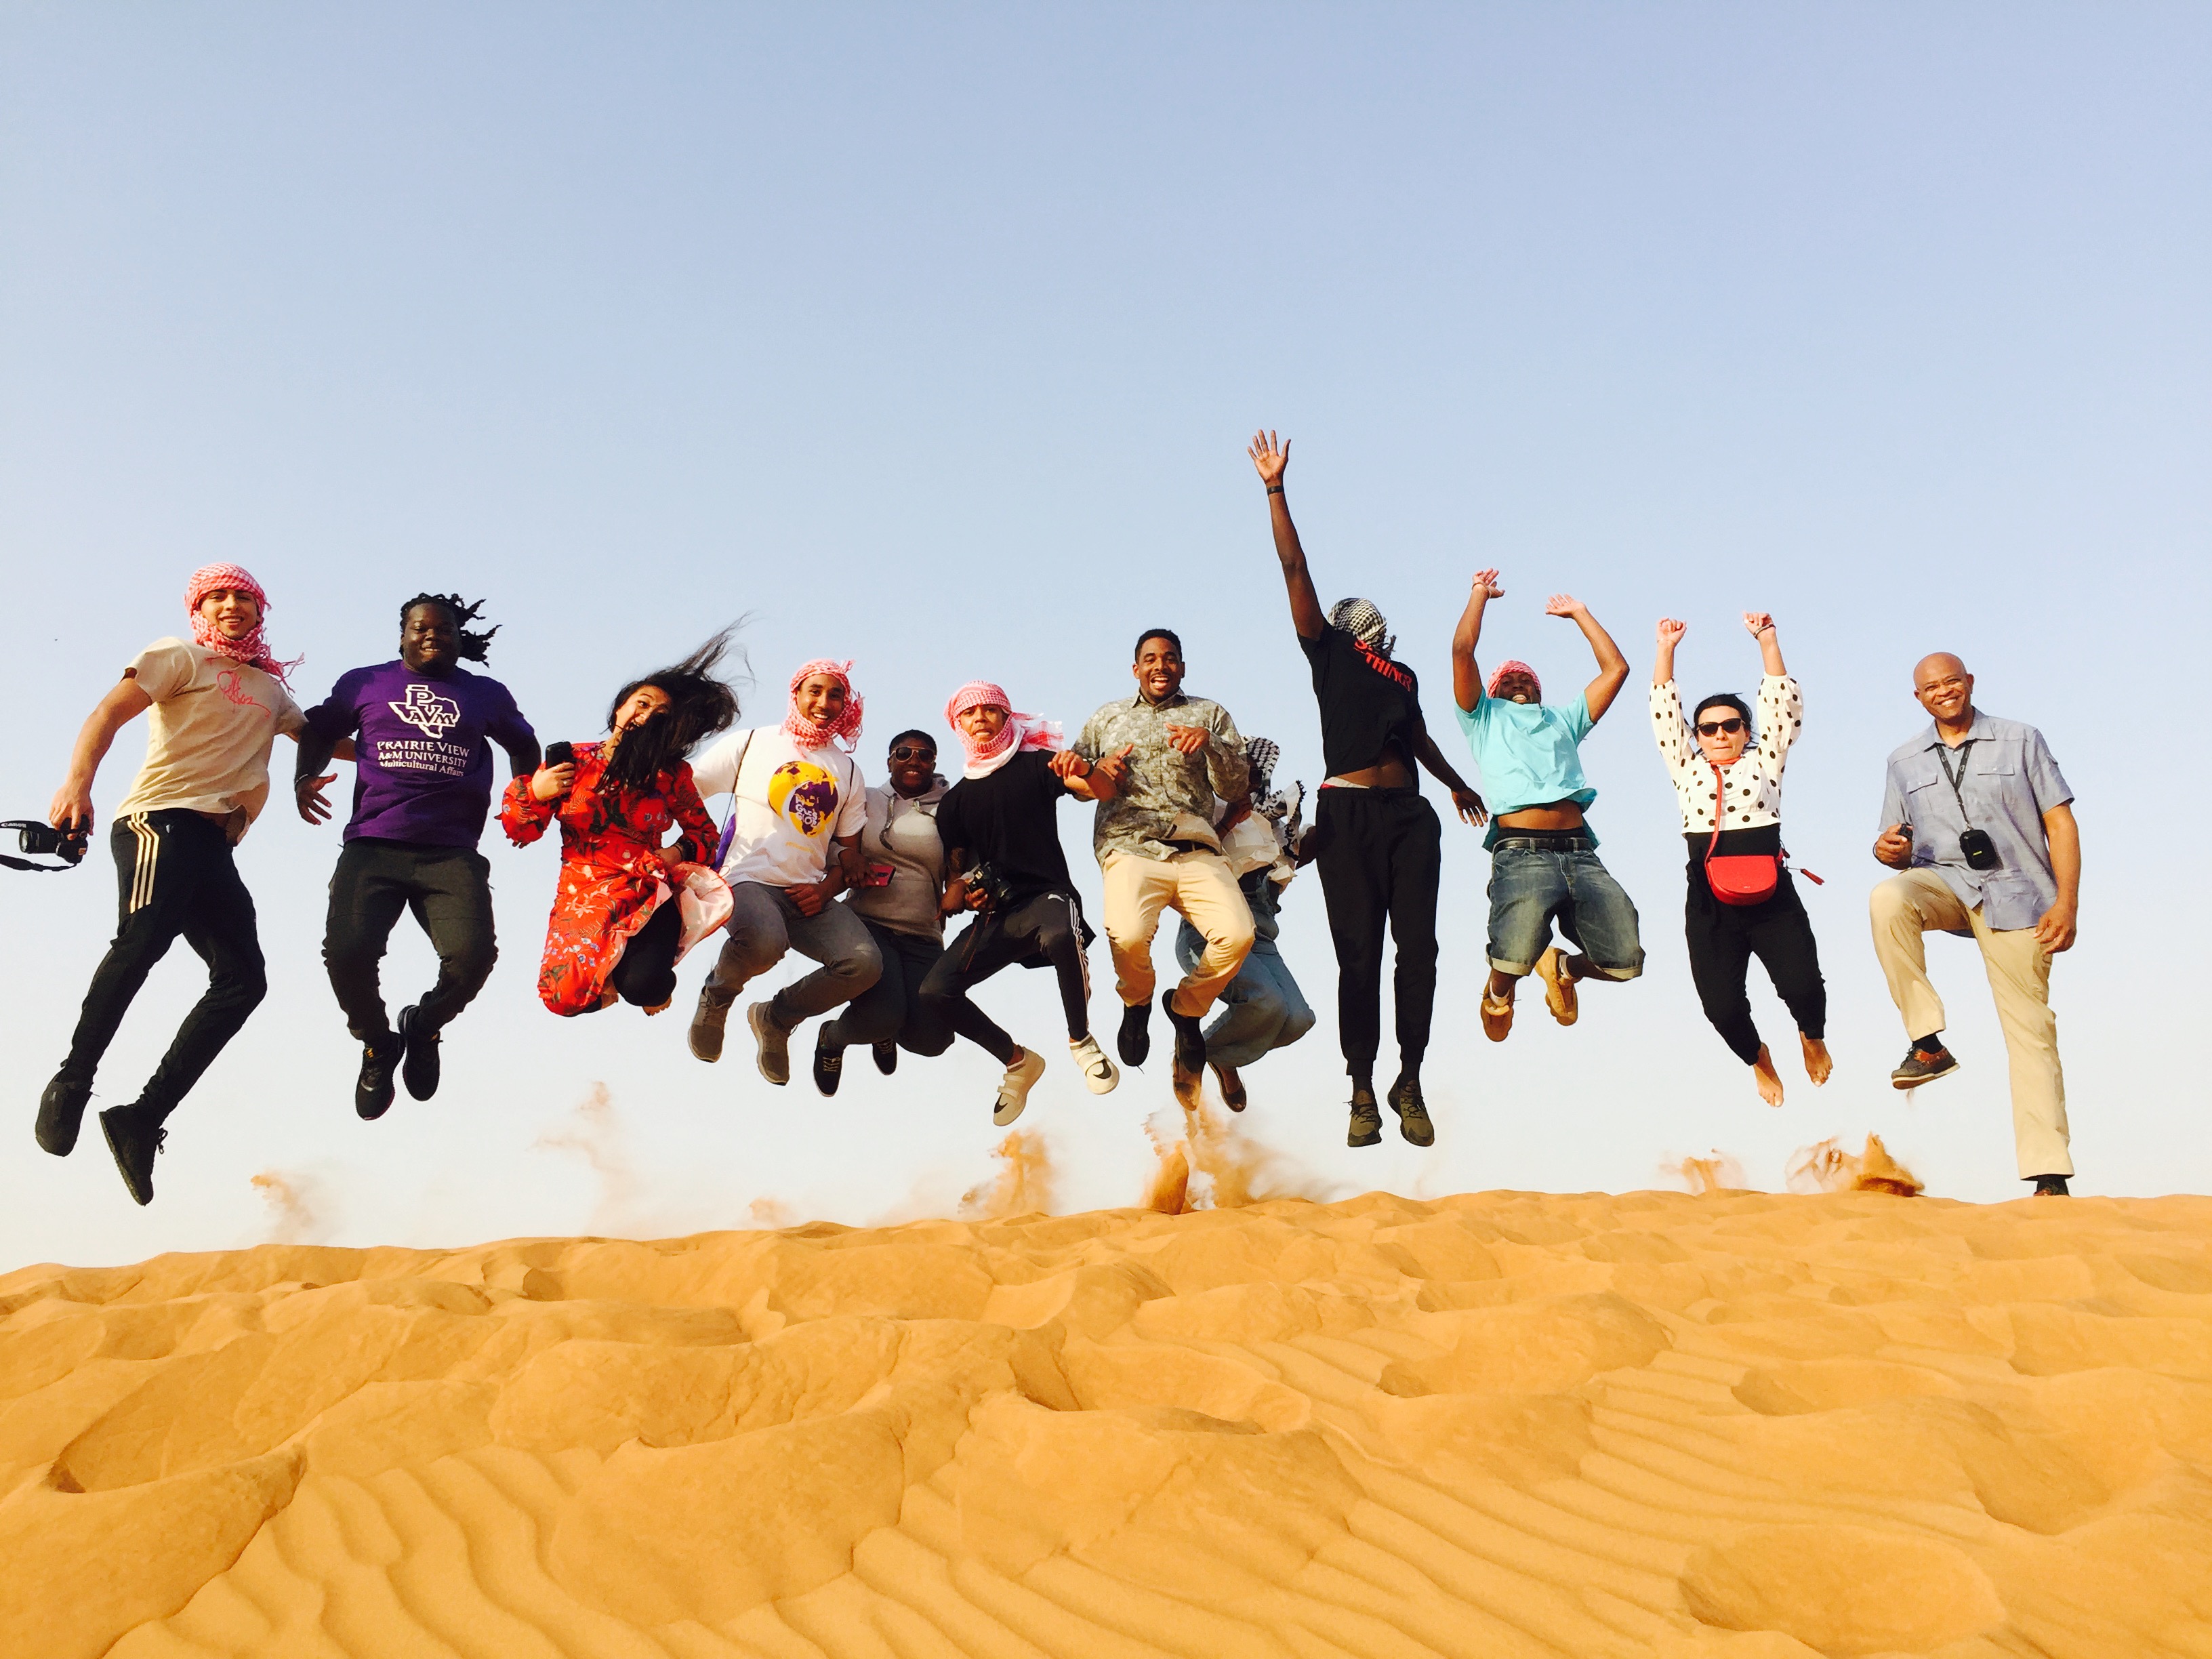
(932, 338)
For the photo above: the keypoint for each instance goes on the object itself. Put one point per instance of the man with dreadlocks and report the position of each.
(795, 794)
(1262, 1009)
(422, 728)
(1379, 843)
(218, 700)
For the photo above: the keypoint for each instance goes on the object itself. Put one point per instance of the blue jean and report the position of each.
(1534, 883)
(1261, 1009)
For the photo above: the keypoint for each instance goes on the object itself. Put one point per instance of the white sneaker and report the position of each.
(1099, 1075)
(1014, 1088)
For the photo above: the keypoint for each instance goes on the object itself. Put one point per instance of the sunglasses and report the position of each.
(909, 752)
(1733, 725)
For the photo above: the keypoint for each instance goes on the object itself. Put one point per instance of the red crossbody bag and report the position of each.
(1741, 878)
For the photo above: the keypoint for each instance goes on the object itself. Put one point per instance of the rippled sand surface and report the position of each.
(1736, 1424)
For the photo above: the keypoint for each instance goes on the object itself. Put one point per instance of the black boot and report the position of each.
(1135, 1040)
(419, 1070)
(61, 1114)
(373, 1089)
(134, 1135)
(1189, 1035)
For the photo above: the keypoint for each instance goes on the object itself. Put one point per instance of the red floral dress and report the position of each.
(612, 880)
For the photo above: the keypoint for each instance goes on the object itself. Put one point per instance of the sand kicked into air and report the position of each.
(1742, 1424)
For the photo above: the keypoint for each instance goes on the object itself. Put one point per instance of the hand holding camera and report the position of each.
(45, 842)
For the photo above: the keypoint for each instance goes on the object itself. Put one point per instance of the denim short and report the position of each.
(1534, 883)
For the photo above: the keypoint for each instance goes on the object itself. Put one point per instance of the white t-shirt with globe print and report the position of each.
(788, 804)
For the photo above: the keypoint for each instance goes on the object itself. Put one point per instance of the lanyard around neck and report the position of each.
(1943, 760)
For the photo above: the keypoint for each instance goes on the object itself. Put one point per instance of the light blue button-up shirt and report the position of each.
(2008, 781)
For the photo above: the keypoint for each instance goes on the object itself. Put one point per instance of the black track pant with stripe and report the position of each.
(1043, 931)
(179, 880)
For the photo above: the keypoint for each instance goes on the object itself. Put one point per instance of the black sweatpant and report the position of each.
(176, 878)
(1045, 930)
(1381, 855)
(1724, 938)
(449, 891)
(892, 1009)
(646, 975)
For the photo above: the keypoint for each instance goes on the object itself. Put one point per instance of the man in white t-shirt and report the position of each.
(218, 700)
(794, 794)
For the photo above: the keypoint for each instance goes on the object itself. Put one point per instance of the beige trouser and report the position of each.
(1197, 885)
(1904, 908)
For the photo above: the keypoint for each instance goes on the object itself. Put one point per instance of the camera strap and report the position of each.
(27, 829)
(1955, 779)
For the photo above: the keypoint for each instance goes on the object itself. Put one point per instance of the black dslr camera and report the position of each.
(985, 878)
(44, 840)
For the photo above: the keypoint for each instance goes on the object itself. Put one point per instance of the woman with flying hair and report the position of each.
(630, 905)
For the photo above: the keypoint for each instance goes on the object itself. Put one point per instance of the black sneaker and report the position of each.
(2050, 1186)
(419, 1069)
(1412, 1112)
(829, 1068)
(1135, 1040)
(61, 1114)
(1366, 1128)
(886, 1055)
(1189, 1035)
(373, 1089)
(134, 1138)
(1922, 1065)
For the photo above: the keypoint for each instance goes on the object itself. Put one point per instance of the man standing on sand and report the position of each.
(218, 700)
(422, 728)
(1544, 865)
(1980, 822)
(1166, 757)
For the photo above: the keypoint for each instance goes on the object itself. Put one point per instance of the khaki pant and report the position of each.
(1198, 886)
(1904, 908)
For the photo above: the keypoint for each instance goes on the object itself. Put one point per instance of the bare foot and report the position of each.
(1768, 1079)
(1817, 1063)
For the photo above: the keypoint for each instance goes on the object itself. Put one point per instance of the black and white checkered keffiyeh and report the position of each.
(1282, 808)
(1360, 619)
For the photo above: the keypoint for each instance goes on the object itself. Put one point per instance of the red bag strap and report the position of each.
(1720, 788)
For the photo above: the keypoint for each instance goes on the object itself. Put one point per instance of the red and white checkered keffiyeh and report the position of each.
(1019, 733)
(845, 729)
(253, 649)
(1514, 666)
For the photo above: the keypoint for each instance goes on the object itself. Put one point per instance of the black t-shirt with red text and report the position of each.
(1370, 703)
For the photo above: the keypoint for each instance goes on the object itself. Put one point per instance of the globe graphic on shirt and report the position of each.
(806, 796)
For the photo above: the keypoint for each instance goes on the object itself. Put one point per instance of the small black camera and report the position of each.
(1978, 850)
(986, 879)
(44, 842)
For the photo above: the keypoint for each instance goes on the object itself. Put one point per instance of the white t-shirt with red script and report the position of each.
(209, 734)
(788, 804)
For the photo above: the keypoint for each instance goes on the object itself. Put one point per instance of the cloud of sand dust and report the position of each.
(770, 1214)
(594, 1133)
(1022, 1186)
(1716, 1173)
(1213, 1164)
(1825, 1167)
(299, 1206)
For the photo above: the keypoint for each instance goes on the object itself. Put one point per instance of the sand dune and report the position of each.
(1733, 1425)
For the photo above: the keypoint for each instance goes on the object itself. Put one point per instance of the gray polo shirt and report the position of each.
(2008, 781)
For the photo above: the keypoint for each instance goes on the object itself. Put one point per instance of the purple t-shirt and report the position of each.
(423, 761)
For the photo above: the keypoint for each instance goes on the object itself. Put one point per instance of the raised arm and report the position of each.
(1760, 626)
(1676, 744)
(1670, 635)
(1272, 459)
(1612, 667)
(1467, 678)
(71, 807)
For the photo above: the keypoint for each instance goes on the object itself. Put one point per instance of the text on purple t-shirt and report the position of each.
(423, 749)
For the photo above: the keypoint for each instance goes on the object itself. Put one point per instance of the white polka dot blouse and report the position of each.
(1752, 787)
